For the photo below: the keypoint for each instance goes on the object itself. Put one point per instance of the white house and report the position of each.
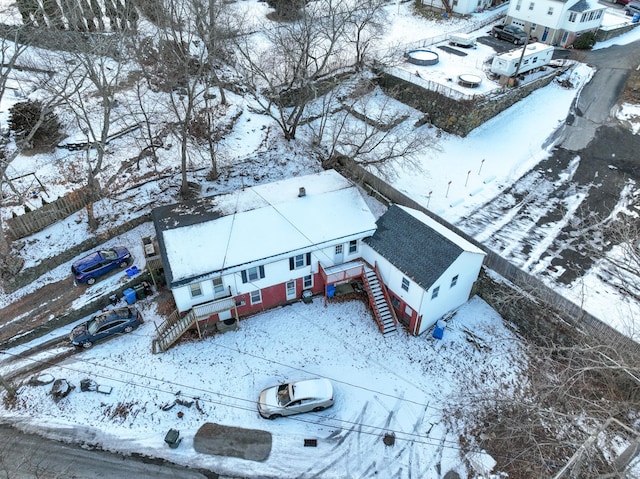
(462, 7)
(243, 252)
(428, 269)
(262, 245)
(556, 22)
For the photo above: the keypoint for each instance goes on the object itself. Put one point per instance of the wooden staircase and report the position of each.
(176, 325)
(379, 301)
(172, 329)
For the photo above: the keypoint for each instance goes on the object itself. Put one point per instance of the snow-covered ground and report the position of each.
(402, 385)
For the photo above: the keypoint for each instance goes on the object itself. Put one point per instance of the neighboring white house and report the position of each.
(428, 269)
(246, 251)
(462, 7)
(556, 22)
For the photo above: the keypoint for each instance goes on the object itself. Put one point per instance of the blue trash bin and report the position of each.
(636, 18)
(438, 332)
(331, 290)
(129, 295)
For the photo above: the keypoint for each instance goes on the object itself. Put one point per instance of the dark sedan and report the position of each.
(106, 324)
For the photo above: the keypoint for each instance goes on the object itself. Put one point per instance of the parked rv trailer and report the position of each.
(535, 56)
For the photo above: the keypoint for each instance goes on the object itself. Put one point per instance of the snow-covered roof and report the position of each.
(227, 231)
(417, 245)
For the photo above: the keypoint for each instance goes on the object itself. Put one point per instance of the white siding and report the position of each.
(466, 266)
(557, 21)
(275, 272)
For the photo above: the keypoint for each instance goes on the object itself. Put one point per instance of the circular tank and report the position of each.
(422, 57)
(469, 81)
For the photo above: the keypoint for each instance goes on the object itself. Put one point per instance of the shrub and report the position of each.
(25, 116)
(585, 41)
(287, 9)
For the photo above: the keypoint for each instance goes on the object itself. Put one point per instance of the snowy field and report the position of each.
(402, 385)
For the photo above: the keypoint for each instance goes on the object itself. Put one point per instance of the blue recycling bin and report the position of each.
(331, 290)
(636, 18)
(438, 332)
(131, 272)
(129, 295)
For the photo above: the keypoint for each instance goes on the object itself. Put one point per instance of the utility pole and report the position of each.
(524, 49)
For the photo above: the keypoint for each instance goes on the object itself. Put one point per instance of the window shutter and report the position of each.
(308, 259)
(291, 264)
(261, 272)
(244, 276)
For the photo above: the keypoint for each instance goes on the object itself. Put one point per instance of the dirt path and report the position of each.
(36, 310)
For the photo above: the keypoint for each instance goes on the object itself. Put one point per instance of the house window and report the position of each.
(218, 287)
(405, 284)
(299, 261)
(518, 5)
(572, 17)
(195, 290)
(455, 3)
(240, 302)
(531, 5)
(353, 246)
(256, 297)
(592, 15)
(550, 11)
(454, 281)
(434, 293)
(307, 281)
(408, 311)
(583, 17)
(252, 274)
(339, 249)
(395, 302)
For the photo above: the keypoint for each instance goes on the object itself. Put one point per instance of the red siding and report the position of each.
(411, 322)
(276, 295)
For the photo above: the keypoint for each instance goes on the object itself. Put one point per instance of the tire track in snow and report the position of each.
(524, 222)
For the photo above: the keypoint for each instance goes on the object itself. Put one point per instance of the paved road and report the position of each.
(27, 456)
(594, 106)
(557, 203)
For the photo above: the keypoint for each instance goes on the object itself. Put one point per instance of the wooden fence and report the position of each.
(566, 309)
(37, 220)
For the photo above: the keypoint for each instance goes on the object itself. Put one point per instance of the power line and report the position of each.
(373, 430)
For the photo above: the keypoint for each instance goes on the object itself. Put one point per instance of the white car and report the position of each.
(295, 398)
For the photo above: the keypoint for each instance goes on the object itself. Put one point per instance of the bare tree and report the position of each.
(11, 51)
(358, 122)
(570, 385)
(90, 81)
(284, 66)
(367, 24)
(182, 62)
